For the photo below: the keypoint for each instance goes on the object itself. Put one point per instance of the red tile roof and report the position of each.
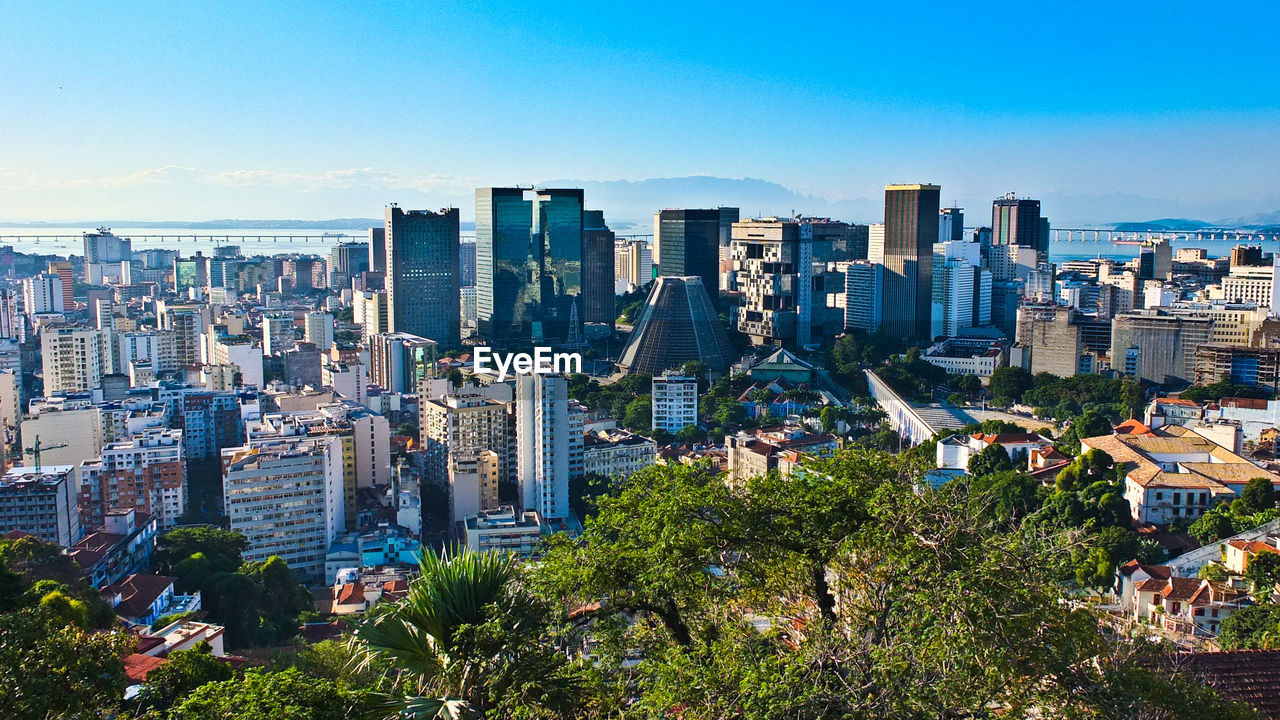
(137, 666)
(1132, 427)
(1249, 676)
(1181, 588)
(350, 594)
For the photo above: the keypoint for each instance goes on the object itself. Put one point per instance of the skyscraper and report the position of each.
(542, 444)
(910, 231)
(689, 244)
(467, 264)
(558, 229)
(378, 249)
(951, 225)
(1016, 221)
(508, 265)
(597, 270)
(422, 274)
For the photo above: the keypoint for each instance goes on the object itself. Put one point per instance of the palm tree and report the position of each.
(463, 641)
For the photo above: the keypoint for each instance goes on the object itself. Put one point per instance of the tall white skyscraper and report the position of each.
(543, 444)
(675, 402)
(319, 330)
(42, 294)
(72, 359)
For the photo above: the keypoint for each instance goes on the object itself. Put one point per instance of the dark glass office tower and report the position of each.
(422, 274)
(597, 270)
(689, 245)
(508, 265)
(557, 227)
(1016, 221)
(910, 230)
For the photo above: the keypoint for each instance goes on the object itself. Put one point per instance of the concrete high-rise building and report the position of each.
(678, 324)
(378, 249)
(597, 270)
(286, 497)
(301, 365)
(1016, 221)
(147, 473)
(465, 422)
(318, 329)
(689, 244)
(104, 255)
(42, 294)
(633, 262)
(773, 270)
(543, 444)
(863, 293)
(41, 501)
(369, 308)
(675, 402)
(910, 231)
(399, 362)
(473, 483)
(1048, 333)
(63, 269)
(875, 243)
(72, 359)
(467, 264)
(278, 334)
(1158, 347)
(1256, 284)
(961, 289)
(422, 274)
(951, 225)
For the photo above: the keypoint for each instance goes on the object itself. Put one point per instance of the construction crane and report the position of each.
(37, 447)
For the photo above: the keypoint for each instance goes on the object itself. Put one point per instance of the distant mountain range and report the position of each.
(629, 206)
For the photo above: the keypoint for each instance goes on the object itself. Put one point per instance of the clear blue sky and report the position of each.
(200, 110)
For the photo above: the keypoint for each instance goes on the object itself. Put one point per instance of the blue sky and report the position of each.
(194, 111)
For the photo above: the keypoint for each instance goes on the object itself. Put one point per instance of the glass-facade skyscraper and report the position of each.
(689, 244)
(529, 256)
(557, 227)
(508, 265)
(910, 231)
(423, 297)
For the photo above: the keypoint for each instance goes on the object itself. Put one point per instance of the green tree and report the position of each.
(1255, 627)
(466, 639)
(260, 694)
(1212, 526)
(1263, 573)
(639, 414)
(691, 434)
(1008, 495)
(1259, 495)
(183, 672)
(455, 377)
(991, 459)
(1010, 383)
(52, 669)
(219, 549)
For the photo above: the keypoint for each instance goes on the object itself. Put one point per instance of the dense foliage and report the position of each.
(259, 603)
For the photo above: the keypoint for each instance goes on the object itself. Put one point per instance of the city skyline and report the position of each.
(340, 111)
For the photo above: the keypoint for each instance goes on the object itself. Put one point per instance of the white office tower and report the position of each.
(961, 289)
(542, 444)
(863, 294)
(72, 359)
(286, 497)
(319, 330)
(43, 294)
(675, 402)
(875, 243)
